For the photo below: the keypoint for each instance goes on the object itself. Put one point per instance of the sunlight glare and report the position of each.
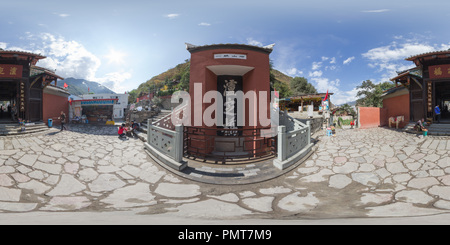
(116, 57)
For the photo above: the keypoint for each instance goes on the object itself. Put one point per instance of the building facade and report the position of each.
(220, 69)
(22, 83)
(98, 108)
(118, 107)
(428, 84)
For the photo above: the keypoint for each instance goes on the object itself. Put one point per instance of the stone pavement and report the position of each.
(368, 173)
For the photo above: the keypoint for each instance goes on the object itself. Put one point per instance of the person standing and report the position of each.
(437, 110)
(62, 117)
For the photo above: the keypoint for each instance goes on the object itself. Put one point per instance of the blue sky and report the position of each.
(334, 44)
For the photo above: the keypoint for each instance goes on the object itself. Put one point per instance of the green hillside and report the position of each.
(177, 78)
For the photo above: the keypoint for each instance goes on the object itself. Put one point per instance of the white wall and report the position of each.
(122, 103)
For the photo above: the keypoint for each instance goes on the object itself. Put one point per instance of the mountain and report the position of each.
(281, 76)
(81, 86)
(351, 103)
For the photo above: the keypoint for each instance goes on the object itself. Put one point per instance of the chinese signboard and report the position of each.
(429, 96)
(439, 71)
(98, 102)
(10, 71)
(230, 56)
(22, 96)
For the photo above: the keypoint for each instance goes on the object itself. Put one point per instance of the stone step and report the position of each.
(15, 128)
(434, 129)
(143, 125)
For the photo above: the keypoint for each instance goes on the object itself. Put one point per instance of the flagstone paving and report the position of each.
(357, 173)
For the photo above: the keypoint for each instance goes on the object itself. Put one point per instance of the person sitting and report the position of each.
(121, 132)
(134, 128)
(419, 125)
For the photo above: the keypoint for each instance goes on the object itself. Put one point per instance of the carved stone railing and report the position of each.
(166, 145)
(166, 121)
(294, 141)
(246, 145)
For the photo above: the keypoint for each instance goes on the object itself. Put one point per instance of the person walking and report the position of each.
(437, 110)
(62, 117)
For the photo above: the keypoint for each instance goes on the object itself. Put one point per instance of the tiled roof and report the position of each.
(21, 53)
(193, 48)
(447, 52)
(37, 70)
(393, 90)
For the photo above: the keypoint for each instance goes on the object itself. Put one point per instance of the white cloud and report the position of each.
(396, 51)
(342, 97)
(316, 65)
(3, 45)
(315, 74)
(339, 97)
(114, 81)
(293, 72)
(71, 59)
(172, 16)
(253, 42)
(204, 24)
(68, 58)
(391, 58)
(348, 60)
(323, 84)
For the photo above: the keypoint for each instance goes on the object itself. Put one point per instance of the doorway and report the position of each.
(442, 98)
(8, 91)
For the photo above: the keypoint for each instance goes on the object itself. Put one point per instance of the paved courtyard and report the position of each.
(369, 173)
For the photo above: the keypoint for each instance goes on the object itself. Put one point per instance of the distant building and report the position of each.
(99, 108)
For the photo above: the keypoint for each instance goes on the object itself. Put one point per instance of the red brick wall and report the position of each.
(52, 107)
(397, 106)
(371, 117)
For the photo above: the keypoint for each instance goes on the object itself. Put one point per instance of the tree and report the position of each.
(300, 86)
(132, 96)
(370, 93)
(157, 101)
(346, 109)
(282, 89)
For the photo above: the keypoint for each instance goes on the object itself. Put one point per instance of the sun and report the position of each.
(115, 57)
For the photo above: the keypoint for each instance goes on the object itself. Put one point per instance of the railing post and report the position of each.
(282, 143)
(178, 143)
(149, 123)
(308, 141)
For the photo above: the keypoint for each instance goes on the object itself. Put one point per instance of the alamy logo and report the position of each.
(262, 109)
